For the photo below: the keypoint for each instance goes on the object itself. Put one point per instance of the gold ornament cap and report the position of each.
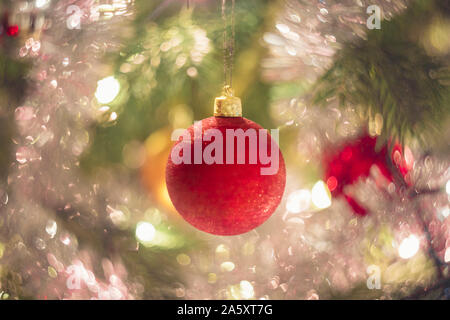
(227, 105)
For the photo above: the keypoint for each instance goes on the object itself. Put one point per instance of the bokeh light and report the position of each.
(145, 231)
(298, 201)
(320, 195)
(247, 291)
(107, 90)
(409, 247)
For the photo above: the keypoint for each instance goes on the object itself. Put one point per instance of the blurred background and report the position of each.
(91, 90)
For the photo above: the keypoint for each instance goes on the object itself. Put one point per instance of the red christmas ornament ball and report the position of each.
(228, 198)
(353, 161)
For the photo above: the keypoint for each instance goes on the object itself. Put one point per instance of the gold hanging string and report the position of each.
(228, 105)
(228, 43)
(233, 37)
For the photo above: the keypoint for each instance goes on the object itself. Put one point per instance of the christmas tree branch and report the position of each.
(392, 74)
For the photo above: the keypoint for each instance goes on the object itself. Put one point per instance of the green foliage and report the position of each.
(391, 74)
(153, 71)
(12, 86)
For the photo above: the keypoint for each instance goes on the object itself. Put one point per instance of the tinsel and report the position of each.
(61, 226)
(53, 217)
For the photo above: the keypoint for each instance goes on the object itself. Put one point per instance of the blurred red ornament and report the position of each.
(354, 161)
(12, 31)
(226, 199)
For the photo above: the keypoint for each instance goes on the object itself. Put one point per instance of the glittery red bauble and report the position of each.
(228, 198)
(354, 160)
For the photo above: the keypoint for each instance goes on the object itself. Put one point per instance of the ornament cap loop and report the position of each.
(227, 105)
